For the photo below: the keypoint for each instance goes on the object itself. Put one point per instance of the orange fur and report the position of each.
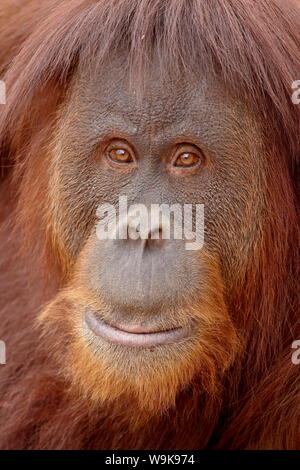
(246, 394)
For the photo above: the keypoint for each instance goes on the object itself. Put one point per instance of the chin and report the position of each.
(146, 365)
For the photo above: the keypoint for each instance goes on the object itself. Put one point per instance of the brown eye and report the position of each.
(120, 155)
(187, 160)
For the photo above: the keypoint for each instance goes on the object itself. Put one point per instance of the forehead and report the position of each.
(108, 101)
(157, 98)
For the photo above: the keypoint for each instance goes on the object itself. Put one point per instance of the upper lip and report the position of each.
(134, 335)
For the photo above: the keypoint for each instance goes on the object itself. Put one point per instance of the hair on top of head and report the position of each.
(249, 44)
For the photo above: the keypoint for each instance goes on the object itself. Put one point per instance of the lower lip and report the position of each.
(140, 340)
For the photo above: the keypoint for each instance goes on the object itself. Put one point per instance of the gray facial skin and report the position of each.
(133, 281)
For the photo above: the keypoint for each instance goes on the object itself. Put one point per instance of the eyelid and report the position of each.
(187, 147)
(118, 143)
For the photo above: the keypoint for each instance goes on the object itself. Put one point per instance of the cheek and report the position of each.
(76, 190)
(234, 204)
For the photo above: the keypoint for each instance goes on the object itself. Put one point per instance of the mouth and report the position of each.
(134, 336)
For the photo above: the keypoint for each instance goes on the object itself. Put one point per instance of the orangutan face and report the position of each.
(146, 314)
